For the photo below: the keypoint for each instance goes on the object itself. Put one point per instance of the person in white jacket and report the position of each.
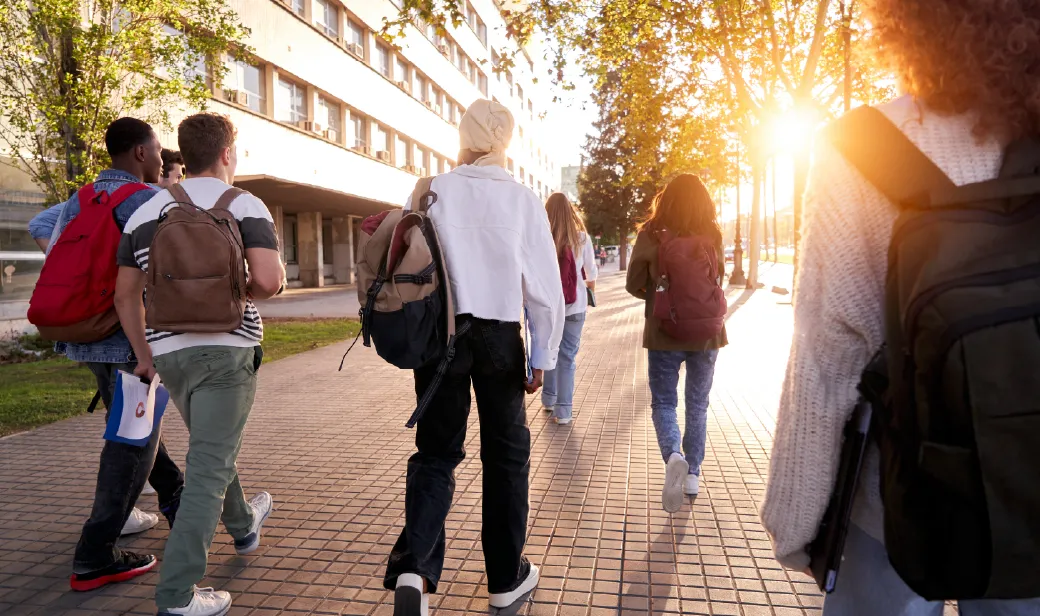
(501, 262)
(575, 253)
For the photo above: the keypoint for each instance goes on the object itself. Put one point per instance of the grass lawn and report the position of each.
(40, 392)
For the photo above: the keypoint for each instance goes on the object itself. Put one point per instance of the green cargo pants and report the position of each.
(213, 388)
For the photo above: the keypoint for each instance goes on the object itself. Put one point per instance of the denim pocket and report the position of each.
(504, 346)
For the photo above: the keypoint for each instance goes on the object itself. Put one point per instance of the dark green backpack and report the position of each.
(960, 434)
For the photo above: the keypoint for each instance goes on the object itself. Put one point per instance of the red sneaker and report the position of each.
(128, 566)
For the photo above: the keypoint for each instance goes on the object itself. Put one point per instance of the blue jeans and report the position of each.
(664, 401)
(868, 585)
(558, 384)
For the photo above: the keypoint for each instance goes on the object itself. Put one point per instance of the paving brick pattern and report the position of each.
(331, 447)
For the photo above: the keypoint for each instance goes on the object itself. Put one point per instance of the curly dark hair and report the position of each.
(967, 56)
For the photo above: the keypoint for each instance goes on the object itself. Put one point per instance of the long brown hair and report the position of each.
(565, 222)
(685, 208)
(967, 56)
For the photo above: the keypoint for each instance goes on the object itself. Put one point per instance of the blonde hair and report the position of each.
(565, 222)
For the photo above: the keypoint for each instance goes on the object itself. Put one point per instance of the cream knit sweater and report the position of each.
(838, 324)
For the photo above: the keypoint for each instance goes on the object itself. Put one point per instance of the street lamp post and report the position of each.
(737, 277)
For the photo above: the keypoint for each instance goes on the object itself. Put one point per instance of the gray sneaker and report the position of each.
(205, 602)
(262, 506)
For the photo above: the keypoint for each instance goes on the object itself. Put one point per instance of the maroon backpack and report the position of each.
(568, 275)
(689, 302)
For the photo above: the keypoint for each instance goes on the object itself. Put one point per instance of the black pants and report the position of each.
(491, 357)
(121, 477)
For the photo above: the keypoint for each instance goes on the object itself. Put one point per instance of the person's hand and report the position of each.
(535, 383)
(145, 370)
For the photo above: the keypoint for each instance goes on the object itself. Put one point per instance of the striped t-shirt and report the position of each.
(257, 229)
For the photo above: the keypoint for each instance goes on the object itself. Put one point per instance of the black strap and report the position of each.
(94, 402)
(442, 369)
(887, 159)
(423, 277)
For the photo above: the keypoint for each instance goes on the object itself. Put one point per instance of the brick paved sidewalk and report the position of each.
(331, 448)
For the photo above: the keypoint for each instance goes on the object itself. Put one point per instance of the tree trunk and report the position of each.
(776, 236)
(801, 172)
(623, 247)
(755, 246)
(73, 142)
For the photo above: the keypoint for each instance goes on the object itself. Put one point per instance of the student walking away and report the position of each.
(172, 168)
(578, 271)
(922, 241)
(81, 237)
(199, 330)
(677, 267)
(499, 253)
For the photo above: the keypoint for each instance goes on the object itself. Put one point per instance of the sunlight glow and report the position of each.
(791, 132)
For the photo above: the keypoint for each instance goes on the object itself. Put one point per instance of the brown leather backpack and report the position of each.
(196, 268)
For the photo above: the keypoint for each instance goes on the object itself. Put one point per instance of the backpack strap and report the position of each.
(875, 146)
(179, 194)
(225, 200)
(422, 196)
(124, 192)
(86, 194)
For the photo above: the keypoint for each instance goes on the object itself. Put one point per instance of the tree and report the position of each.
(70, 67)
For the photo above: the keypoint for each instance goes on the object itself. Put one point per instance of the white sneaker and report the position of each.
(692, 485)
(409, 598)
(562, 421)
(547, 409)
(138, 522)
(674, 474)
(509, 603)
(205, 602)
(262, 505)
(148, 490)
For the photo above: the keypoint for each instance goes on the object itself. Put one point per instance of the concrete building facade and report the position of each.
(335, 123)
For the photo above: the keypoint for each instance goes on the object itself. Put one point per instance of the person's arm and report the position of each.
(42, 225)
(266, 272)
(638, 278)
(589, 263)
(543, 293)
(129, 302)
(838, 325)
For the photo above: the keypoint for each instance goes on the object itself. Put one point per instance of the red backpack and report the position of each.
(568, 275)
(689, 302)
(74, 298)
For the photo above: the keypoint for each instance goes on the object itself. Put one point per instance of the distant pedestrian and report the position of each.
(602, 256)
(578, 273)
(172, 168)
(500, 256)
(971, 72)
(682, 216)
(123, 469)
(209, 364)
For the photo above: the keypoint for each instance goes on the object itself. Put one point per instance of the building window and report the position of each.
(326, 17)
(419, 158)
(383, 59)
(382, 140)
(519, 92)
(461, 112)
(297, 7)
(483, 84)
(419, 86)
(289, 241)
(245, 84)
(290, 101)
(523, 176)
(400, 71)
(438, 101)
(482, 32)
(357, 126)
(539, 186)
(328, 117)
(401, 152)
(326, 242)
(509, 164)
(451, 112)
(530, 108)
(530, 180)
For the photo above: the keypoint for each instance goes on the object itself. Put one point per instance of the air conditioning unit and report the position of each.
(356, 49)
(238, 97)
(330, 134)
(383, 155)
(429, 104)
(362, 149)
(309, 126)
(404, 85)
(445, 50)
(411, 169)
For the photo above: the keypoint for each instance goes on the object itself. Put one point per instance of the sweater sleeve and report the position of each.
(838, 324)
(638, 278)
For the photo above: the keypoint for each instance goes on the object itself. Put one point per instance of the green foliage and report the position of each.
(70, 67)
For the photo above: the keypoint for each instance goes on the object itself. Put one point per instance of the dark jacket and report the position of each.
(642, 278)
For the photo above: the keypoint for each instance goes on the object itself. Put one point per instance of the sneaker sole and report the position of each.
(407, 601)
(87, 585)
(249, 549)
(222, 612)
(672, 495)
(518, 603)
(561, 422)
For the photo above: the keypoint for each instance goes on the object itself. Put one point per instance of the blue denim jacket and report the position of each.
(51, 222)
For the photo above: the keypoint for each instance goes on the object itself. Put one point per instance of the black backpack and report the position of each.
(959, 432)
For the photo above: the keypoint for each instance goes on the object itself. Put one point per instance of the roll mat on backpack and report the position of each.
(959, 432)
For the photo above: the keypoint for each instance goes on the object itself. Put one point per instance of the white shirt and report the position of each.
(500, 254)
(584, 258)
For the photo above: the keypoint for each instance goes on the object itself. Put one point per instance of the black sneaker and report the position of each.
(128, 566)
(509, 603)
